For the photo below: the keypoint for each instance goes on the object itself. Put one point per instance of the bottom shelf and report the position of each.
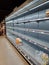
(31, 53)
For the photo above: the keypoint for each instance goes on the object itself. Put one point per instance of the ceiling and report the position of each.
(7, 6)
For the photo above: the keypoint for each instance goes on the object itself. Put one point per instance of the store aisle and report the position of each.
(9, 55)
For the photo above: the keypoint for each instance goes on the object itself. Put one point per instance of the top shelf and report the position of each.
(28, 9)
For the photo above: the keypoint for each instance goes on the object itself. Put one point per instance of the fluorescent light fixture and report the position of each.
(33, 31)
(42, 32)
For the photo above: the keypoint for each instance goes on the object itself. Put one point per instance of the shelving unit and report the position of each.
(32, 27)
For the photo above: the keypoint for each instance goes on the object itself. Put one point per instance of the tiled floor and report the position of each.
(9, 55)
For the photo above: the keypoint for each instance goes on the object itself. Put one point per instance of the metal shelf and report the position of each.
(30, 30)
(28, 55)
(32, 40)
(32, 10)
